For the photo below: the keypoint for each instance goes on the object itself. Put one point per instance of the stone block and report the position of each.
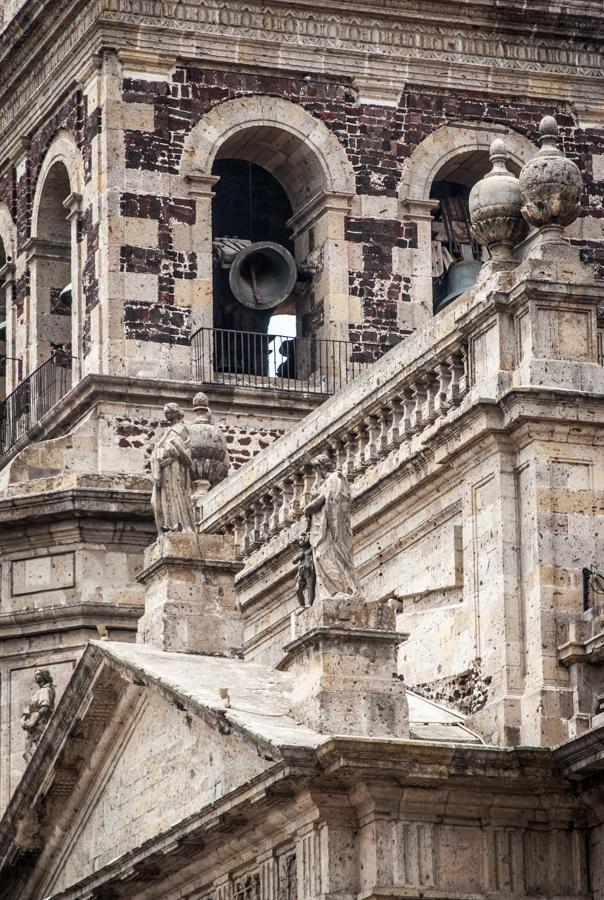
(189, 605)
(344, 659)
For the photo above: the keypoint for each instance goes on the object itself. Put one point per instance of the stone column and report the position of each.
(73, 205)
(7, 287)
(319, 234)
(201, 189)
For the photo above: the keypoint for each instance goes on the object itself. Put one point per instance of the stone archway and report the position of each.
(53, 254)
(449, 142)
(313, 168)
(299, 150)
(449, 147)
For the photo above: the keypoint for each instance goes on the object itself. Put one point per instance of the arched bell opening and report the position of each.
(457, 257)
(52, 259)
(255, 312)
(4, 259)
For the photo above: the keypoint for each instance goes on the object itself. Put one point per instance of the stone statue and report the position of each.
(306, 577)
(171, 471)
(209, 451)
(38, 711)
(330, 534)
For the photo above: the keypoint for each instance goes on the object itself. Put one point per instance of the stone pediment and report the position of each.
(126, 757)
(144, 741)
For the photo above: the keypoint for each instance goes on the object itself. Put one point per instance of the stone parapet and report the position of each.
(524, 331)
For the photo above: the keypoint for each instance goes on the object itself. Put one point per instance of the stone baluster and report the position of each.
(265, 507)
(252, 537)
(406, 426)
(384, 416)
(361, 441)
(393, 433)
(275, 501)
(464, 381)
(286, 513)
(419, 396)
(372, 446)
(454, 390)
(340, 452)
(297, 502)
(240, 527)
(430, 384)
(443, 374)
(349, 441)
(310, 477)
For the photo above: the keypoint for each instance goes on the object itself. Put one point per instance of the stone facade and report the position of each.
(435, 734)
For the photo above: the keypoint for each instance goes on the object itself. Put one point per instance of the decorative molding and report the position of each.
(145, 64)
(325, 201)
(40, 249)
(378, 91)
(387, 35)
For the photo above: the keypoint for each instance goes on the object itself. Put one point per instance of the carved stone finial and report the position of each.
(38, 711)
(550, 183)
(171, 471)
(209, 451)
(495, 206)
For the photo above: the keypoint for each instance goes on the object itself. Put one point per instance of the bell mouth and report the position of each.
(459, 278)
(263, 275)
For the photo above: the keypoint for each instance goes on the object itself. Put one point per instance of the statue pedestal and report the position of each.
(344, 658)
(189, 595)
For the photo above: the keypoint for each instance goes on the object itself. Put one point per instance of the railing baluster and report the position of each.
(33, 398)
(226, 356)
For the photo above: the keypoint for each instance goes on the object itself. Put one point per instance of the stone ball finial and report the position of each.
(495, 206)
(200, 401)
(548, 128)
(550, 183)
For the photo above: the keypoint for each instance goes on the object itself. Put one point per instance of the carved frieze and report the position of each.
(389, 36)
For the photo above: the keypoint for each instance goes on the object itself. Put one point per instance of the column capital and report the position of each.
(73, 205)
(323, 202)
(201, 186)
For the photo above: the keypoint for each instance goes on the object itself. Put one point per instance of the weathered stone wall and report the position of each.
(164, 767)
(161, 266)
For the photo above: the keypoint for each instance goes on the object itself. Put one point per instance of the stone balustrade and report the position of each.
(377, 420)
(509, 337)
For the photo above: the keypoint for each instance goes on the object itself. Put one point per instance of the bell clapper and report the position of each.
(257, 297)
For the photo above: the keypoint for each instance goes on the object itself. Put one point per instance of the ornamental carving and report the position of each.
(300, 27)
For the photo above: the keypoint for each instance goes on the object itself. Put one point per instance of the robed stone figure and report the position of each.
(330, 532)
(38, 710)
(171, 473)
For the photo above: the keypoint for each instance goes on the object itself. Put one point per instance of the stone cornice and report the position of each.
(582, 756)
(28, 622)
(353, 39)
(95, 388)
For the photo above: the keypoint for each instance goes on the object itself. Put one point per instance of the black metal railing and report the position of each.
(282, 362)
(33, 398)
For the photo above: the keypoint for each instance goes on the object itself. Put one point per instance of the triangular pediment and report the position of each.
(162, 766)
(135, 760)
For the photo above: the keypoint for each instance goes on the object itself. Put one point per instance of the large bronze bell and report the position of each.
(263, 275)
(460, 277)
